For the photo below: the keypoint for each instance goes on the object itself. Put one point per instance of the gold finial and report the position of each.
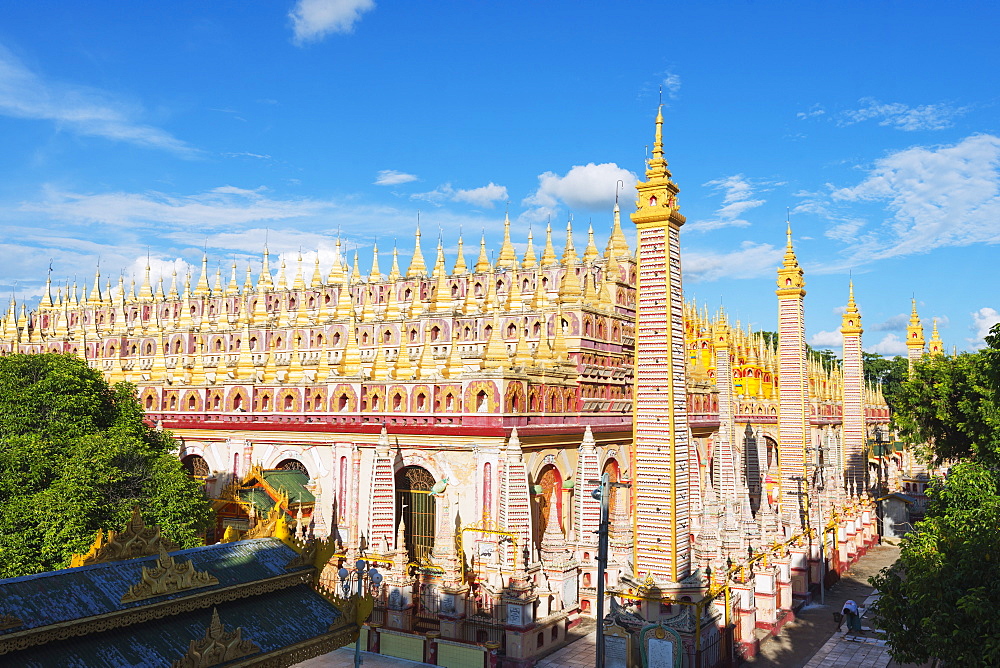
(394, 269)
(317, 277)
(355, 272)
(460, 266)
(590, 252)
(281, 283)
(376, 275)
(439, 267)
(299, 282)
(336, 275)
(507, 258)
(417, 266)
(146, 290)
(264, 281)
(548, 253)
(529, 261)
(569, 257)
(790, 273)
(617, 247)
(483, 261)
(201, 289)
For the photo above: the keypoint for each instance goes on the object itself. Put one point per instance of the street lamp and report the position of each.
(879, 444)
(602, 494)
(362, 572)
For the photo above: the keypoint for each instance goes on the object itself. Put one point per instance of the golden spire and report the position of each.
(539, 298)
(264, 281)
(380, 368)
(507, 258)
(427, 367)
(455, 365)
(300, 282)
(350, 359)
(218, 281)
(146, 290)
(159, 290)
(936, 345)
(657, 166)
(483, 262)
(529, 261)
(790, 273)
(281, 283)
(367, 304)
(391, 303)
(417, 267)
(394, 270)
(172, 295)
(336, 276)
(376, 274)
(317, 277)
(560, 349)
(95, 294)
(440, 270)
(590, 252)
(617, 243)
(460, 267)
(404, 368)
(569, 256)
(248, 281)
(47, 296)
(548, 253)
(515, 301)
(495, 355)
(355, 272)
(851, 321)
(543, 351)
(233, 288)
(522, 351)
(244, 363)
(201, 289)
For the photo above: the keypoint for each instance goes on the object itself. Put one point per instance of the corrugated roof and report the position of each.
(259, 498)
(97, 589)
(272, 621)
(292, 482)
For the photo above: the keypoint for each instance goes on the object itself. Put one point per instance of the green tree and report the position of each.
(75, 457)
(891, 373)
(940, 598)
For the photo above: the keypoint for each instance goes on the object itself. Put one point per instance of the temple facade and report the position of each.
(449, 424)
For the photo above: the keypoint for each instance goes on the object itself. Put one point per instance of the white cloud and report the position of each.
(982, 321)
(896, 323)
(589, 186)
(889, 345)
(312, 20)
(938, 197)
(159, 268)
(752, 260)
(901, 116)
(737, 193)
(811, 112)
(826, 339)
(80, 109)
(391, 177)
(671, 84)
(485, 196)
(222, 206)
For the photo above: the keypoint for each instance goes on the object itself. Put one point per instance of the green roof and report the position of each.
(259, 498)
(292, 483)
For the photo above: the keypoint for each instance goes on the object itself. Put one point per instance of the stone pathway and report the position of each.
(578, 654)
(344, 658)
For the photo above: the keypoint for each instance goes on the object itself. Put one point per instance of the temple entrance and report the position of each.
(196, 466)
(549, 480)
(415, 506)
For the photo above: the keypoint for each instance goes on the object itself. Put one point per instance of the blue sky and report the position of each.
(172, 127)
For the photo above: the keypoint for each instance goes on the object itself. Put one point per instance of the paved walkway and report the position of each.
(344, 658)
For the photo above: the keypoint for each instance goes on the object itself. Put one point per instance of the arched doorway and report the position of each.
(549, 480)
(196, 466)
(415, 506)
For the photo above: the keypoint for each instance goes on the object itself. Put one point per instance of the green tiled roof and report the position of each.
(272, 621)
(292, 482)
(259, 498)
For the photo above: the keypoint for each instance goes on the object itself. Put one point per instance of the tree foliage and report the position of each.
(890, 372)
(940, 598)
(76, 456)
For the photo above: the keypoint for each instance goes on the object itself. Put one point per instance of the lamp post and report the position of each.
(362, 572)
(879, 445)
(602, 494)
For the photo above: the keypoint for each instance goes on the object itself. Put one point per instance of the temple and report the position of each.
(448, 424)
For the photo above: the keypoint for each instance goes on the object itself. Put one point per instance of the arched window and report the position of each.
(549, 483)
(482, 402)
(149, 402)
(421, 402)
(192, 403)
(397, 401)
(289, 402)
(265, 402)
(216, 401)
(435, 333)
(342, 403)
(173, 402)
(387, 336)
(293, 465)
(238, 402)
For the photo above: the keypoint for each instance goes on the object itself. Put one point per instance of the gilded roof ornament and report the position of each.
(137, 540)
(167, 576)
(507, 258)
(417, 265)
(460, 266)
(529, 261)
(483, 261)
(217, 646)
(549, 253)
(376, 274)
